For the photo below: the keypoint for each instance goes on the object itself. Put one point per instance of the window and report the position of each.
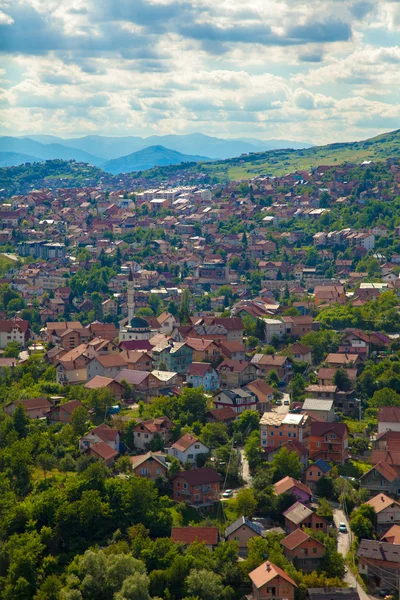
(280, 434)
(197, 446)
(190, 455)
(318, 444)
(314, 551)
(333, 436)
(271, 590)
(319, 473)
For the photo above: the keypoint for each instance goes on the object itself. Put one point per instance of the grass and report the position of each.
(5, 264)
(56, 475)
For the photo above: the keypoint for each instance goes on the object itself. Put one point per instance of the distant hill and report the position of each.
(147, 159)
(46, 151)
(9, 159)
(194, 143)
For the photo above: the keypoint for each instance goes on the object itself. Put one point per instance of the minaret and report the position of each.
(131, 298)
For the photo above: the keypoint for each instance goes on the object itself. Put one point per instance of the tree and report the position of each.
(204, 584)
(46, 461)
(297, 387)
(174, 467)
(342, 380)
(272, 378)
(184, 311)
(12, 350)
(123, 464)
(259, 331)
(385, 397)
(248, 422)
(363, 521)
(79, 420)
(325, 487)
(245, 502)
(214, 435)
(253, 450)
(286, 463)
(20, 421)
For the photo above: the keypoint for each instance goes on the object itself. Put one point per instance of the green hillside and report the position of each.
(279, 162)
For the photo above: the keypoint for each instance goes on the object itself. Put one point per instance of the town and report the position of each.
(200, 387)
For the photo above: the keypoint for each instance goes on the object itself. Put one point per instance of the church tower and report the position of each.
(131, 298)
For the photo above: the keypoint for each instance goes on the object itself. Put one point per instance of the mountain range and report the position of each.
(98, 150)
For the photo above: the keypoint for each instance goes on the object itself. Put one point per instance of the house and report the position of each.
(381, 478)
(323, 392)
(264, 393)
(145, 431)
(329, 294)
(201, 374)
(151, 465)
(209, 536)
(298, 326)
(272, 362)
(221, 415)
(176, 356)
(102, 433)
(300, 352)
(236, 373)
(35, 408)
(326, 375)
(304, 551)
(277, 429)
(241, 531)
(387, 512)
(200, 488)
(270, 582)
(167, 323)
(315, 472)
(234, 350)
(14, 330)
(203, 350)
(329, 441)
(71, 368)
(319, 409)
(102, 451)
(62, 412)
(338, 360)
(147, 385)
(99, 382)
(137, 360)
(290, 485)
(355, 342)
(108, 365)
(379, 563)
(389, 419)
(298, 515)
(187, 448)
(238, 399)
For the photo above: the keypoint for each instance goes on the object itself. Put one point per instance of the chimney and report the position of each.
(268, 567)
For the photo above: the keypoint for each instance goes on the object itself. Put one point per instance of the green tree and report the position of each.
(259, 331)
(342, 380)
(385, 397)
(297, 387)
(245, 502)
(20, 421)
(253, 450)
(12, 350)
(46, 462)
(184, 311)
(79, 420)
(204, 584)
(286, 463)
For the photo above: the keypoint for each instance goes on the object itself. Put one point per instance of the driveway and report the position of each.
(344, 543)
(284, 408)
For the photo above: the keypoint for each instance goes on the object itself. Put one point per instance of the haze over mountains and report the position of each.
(98, 150)
(148, 158)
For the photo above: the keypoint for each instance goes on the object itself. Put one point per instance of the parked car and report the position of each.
(342, 528)
(286, 402)
(278, 403)
(227, 494)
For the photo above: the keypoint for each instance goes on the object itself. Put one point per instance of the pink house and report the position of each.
(300, 491)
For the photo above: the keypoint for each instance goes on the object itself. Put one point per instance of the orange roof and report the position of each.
(185, 442)
(392, 536)
(380, 502)
(266, 573)
(294, 539)
(287, 483)
(104, 451)
(385, 470)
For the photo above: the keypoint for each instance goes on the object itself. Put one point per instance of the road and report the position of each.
(245, 469)
(344, 542)
(285, 407)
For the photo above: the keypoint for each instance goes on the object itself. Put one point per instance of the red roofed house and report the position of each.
(187, 448)
(35, 408)
(290, 485)
(236, 373)
(108, 365)
(151, 465)
(389, 419)
(271, 583)
(198, 487)
(14, 330)
(387, 512)
(102, 433)
(187, 535)
(62, 413)
(102, 451)
(304, 551)
(202, 374)
(221, 415)
(329, 441)
(203, 350)
(145, 431)
(381, 478)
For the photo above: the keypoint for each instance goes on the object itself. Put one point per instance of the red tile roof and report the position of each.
(188, 535)
(104, 451)
(294, 539)
(288, 483)
(389, 414)
(200, 476)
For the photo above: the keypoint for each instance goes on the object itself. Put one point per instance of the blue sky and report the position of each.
(320, 71)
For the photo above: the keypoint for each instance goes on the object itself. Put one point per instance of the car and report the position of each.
(342, 528)
(384, 593)
(227, 494)
(278, 403)
(286, 402)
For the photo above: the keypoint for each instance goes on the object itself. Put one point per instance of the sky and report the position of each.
(317, 71)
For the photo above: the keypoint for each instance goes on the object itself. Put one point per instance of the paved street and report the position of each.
(344, 542)
(284, 408)
(245, 469)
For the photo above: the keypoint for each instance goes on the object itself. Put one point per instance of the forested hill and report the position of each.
(274, 162)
